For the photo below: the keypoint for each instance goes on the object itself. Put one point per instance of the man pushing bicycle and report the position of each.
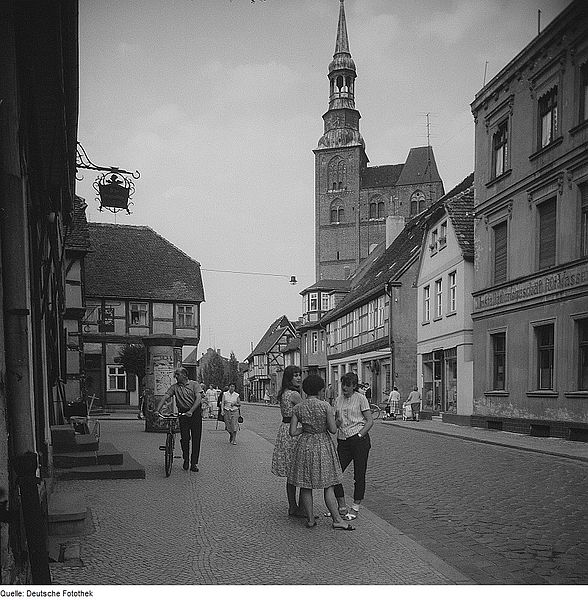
(188, 397)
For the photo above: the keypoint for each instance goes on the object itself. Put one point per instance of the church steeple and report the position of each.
(342, 68)
(342, 119)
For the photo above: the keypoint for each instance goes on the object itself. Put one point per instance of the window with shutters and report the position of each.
(500, 150)
(544, 337)
(498, 357)
(582, 325)
(547, 233)
(584, 220)
(500, 251)
(548, 119)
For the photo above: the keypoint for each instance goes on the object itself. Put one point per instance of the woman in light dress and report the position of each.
(288, 397)
(315, 463)
(230, 407)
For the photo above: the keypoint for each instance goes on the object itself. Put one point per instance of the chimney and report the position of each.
(394, 225)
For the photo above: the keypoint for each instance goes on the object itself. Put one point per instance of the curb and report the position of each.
(472, 438)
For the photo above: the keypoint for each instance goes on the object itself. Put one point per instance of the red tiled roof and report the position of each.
(133, 261)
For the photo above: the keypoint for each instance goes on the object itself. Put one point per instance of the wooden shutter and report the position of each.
(547, 238)
(500, 252)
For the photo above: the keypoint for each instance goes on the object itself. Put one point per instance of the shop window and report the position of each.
(582, 354)
(545, 353)
(498, 349)
(138, 313)
(548, 118)
(185, 316)
(116, 378)
(547, 233)
(500, 246)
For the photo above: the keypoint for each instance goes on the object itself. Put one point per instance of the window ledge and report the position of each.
(437, 318)
(451, 314)
(426, 323)
(547, 148)
(499, 178)
(497, 393)
(579, 127)
(542, 394)
(577, 394)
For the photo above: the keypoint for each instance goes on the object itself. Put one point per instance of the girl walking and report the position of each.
(315, 464)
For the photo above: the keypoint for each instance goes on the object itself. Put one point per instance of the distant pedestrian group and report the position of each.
(305, 452)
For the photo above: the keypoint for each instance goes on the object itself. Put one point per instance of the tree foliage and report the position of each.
(133, 358)
(233, 374)
(214, 371)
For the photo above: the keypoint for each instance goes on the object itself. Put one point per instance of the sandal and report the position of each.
(349, 516)
(347, 527)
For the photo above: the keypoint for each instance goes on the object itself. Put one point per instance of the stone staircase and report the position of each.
(81, 456)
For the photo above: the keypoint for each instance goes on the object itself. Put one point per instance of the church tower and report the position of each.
(339, 159)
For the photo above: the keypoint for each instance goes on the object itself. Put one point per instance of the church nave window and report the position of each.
(337, 213)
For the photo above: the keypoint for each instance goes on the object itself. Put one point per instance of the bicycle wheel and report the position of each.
(374, 409)
(169, 453)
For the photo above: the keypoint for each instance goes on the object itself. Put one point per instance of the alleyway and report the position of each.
(228, 524)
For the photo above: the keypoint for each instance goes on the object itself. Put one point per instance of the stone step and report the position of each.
(67, 515)
(128, 469)
(62, 435)
(106, 454)
(81, 442)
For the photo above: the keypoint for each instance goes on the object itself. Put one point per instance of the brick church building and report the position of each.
(352, 199)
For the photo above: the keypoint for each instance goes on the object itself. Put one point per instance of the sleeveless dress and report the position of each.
(315, 463)
(285, 443)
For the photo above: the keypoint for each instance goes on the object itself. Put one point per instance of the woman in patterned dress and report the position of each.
(288, 397)
(315, 463)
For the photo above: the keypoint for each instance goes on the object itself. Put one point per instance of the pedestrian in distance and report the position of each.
(393, 407)
(188, 398)
(354, 420)
(231, 409)
(412, 406)
(315, 463)
(288, 398)
(211, 401)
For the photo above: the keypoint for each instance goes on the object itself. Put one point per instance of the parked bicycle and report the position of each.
(171, 422)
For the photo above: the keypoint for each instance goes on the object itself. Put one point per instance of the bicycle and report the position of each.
(170, 441)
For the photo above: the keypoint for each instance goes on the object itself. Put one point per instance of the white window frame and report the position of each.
(438, 298)
(325, 298)
(117, 372)
(452, 291)
(314, 342)
(140, 311)
(182, 316)
(313, 299)
(427, 303)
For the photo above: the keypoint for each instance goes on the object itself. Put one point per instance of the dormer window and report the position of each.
(433, 244)
(443, 235)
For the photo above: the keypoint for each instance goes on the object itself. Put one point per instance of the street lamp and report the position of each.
(293, 280)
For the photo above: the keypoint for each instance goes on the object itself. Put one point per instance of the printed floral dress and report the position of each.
(315, 463)
(285, 443)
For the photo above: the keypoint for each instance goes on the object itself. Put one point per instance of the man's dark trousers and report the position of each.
(191, 427)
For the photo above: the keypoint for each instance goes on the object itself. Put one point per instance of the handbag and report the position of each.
(240, 419)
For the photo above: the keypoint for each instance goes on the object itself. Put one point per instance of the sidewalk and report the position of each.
(228, 524)
(552, 445)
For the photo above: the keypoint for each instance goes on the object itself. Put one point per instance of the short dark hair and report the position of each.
(313, 384)
(350, 378)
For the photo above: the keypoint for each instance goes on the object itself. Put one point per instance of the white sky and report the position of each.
(218, 104)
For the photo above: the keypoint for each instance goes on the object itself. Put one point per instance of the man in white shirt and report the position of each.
(211, 398)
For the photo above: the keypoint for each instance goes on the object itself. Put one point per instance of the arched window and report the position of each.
(381, 213)
(377, 208)
(373, 210)
(337, 174)
(337, 212)
(417, 203)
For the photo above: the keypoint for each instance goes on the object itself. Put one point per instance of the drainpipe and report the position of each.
(389, 289)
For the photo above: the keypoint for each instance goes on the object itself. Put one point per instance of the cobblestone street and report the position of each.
(228, 524)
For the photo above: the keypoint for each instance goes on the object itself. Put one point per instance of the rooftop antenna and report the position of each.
(538, 21)
(485, 71)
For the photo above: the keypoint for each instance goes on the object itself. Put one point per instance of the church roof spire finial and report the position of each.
(342, 43)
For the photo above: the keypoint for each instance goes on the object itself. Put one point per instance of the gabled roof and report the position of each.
(272, 335)
(374, 177)
(133, 261)
(420, 167)
(461, 212)
(329, 285)
(293, 345)
(78, 236)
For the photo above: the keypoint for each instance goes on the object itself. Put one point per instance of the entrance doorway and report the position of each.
(440, 381)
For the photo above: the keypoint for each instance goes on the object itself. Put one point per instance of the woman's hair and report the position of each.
(313, 384)
(181, 371)
(287, 379)
(350, 379)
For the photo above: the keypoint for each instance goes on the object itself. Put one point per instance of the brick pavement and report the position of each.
(227, 524)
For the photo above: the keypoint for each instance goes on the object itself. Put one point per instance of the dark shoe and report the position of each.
(310, 525)
(344, 528)
(186, 465)
(194, 468)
